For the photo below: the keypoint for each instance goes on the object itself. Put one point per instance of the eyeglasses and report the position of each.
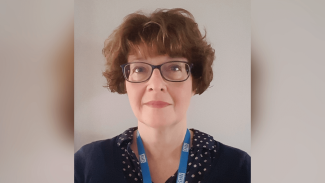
(174, 71)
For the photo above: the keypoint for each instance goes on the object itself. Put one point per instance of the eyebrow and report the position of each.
(141, 59)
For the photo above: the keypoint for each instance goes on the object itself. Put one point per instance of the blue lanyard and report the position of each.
(182, 164)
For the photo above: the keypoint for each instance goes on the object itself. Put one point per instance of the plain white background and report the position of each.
(223, 111)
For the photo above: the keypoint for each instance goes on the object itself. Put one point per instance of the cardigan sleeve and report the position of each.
(231, 165)
(92, 163)
(86, 160)
(98, 162)
(244, 170)
(79, 166)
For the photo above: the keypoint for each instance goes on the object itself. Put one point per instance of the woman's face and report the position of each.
(177, 95)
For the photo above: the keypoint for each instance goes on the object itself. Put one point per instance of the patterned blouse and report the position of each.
(201, 156)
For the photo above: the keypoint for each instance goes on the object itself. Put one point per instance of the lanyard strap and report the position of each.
(182, 164)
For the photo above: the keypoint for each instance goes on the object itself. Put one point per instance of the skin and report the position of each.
(162, 130)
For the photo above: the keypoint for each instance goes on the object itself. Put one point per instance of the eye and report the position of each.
(139, 69)
(175, 68)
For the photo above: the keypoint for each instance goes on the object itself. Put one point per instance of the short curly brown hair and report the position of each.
(173, 32)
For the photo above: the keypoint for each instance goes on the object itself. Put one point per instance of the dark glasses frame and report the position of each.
(190, 65)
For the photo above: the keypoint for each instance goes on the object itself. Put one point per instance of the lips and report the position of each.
(157, 104)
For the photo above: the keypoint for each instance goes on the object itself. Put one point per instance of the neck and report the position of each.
(162, 142)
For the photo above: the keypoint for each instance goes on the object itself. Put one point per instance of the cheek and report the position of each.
(135, 93)
(182, 95)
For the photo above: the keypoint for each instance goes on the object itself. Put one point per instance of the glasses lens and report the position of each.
(175, 71)
(137, 72)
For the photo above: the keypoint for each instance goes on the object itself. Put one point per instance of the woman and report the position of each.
(160, 61)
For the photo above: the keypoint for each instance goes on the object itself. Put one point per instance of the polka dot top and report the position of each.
(201, 156)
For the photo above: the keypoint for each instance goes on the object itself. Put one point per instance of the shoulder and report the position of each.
(93, 150)
(231, 152)
(229, 164)
(207, 141)
(96, 147)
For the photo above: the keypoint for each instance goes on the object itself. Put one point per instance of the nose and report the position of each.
(156, 82)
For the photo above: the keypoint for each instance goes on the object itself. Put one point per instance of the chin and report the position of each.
(158, 123)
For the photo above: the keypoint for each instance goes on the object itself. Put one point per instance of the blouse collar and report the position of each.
(200, 139)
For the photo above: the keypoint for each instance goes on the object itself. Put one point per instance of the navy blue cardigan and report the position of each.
(100, 162)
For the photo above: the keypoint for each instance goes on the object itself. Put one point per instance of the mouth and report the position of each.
(157, 104)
